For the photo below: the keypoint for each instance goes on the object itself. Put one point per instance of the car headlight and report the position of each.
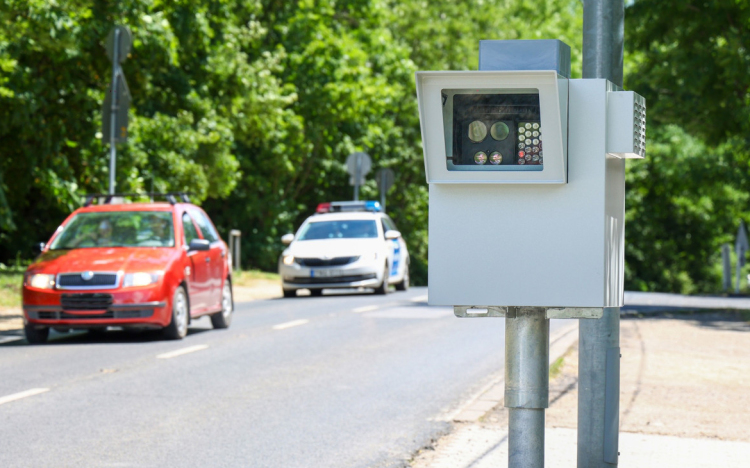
(140, 279)
(42, 281)
(288, 259)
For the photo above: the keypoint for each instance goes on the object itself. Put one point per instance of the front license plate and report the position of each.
(324, 273)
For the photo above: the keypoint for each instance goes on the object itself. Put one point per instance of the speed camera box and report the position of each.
(526, 204)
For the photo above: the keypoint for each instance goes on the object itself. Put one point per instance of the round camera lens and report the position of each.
(480, 157)
(496, 158)
(477, 131)
(499, 131)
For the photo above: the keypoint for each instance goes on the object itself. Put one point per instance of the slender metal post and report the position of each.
(382, 192)
(526, 384)
(599, 339)
(113, 114)
(357, 176)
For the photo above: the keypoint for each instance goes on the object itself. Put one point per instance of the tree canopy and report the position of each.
(254, 105)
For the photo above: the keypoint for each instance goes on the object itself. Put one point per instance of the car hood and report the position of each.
(334, 248)
(104, 259)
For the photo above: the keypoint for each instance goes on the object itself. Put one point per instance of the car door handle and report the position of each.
(208, 259)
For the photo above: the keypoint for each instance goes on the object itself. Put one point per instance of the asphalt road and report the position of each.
(336, 381)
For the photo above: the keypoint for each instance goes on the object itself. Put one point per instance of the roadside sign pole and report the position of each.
(113, 113)
(382, 194)
(385, 179)
(599, 340)
(357, 177)
(526, 384)
(358, 165)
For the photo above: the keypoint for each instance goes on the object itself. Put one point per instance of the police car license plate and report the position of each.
(324, 273)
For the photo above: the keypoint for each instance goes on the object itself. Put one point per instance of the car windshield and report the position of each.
(342, 229)
(117, 229)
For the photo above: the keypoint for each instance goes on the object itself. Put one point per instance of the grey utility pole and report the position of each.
(117, 99)
(113, 113)
(599, 340)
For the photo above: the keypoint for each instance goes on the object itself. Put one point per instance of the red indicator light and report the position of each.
(521, 154)
(323, 208)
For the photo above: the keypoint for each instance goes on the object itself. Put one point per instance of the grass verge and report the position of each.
(10, 286)
(250, 278)
(556, 367)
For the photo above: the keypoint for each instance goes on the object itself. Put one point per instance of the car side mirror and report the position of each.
(39, 247)
(392, 234)
(287, 239)
(199, 244)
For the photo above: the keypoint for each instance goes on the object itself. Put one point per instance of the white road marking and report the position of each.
(368, 308)
(19, 395)
(291, 324)
(180, 352)
(419, 298)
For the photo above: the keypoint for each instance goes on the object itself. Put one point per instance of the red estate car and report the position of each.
(133, 265)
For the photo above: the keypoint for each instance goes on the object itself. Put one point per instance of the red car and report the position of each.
(132, 265)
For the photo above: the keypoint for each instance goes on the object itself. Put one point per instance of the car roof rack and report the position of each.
(171, 197)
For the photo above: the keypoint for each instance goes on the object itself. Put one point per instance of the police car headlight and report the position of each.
(288, 259)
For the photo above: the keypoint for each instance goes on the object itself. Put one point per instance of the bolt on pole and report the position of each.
(526, 384)
(599, 340)
(113, 114)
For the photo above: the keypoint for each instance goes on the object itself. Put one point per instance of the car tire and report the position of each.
(224, 318)
(36, 335)
(383, 288)
(97, 332)
(316, 292)
(403, 285)
(178, 325)
(290, 293)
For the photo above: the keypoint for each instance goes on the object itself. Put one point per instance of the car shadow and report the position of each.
(83, 337)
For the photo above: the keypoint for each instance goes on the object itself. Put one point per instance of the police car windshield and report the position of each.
(340, 229)
(117, 229)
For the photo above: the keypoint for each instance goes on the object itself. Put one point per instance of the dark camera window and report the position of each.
(496, 132)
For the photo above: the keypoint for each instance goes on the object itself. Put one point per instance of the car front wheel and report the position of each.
(177, 328)
(403, 285)
(383, 288)
(36, 335)
(224, 318)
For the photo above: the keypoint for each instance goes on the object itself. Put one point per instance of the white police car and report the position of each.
(345, 245)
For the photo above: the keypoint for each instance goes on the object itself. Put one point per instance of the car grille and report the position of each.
(110, 314)
(331, 280)
(86, 301)
(319, 262)
(75, 280)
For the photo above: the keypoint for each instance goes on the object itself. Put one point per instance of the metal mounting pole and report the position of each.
(357, 176)
(526, 384)
(599, 340)
(113, 115)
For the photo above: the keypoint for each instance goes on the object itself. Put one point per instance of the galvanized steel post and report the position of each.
(526, 384)
(599, 340)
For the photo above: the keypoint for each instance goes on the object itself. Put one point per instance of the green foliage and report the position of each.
(679, 210)
(689, 60)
